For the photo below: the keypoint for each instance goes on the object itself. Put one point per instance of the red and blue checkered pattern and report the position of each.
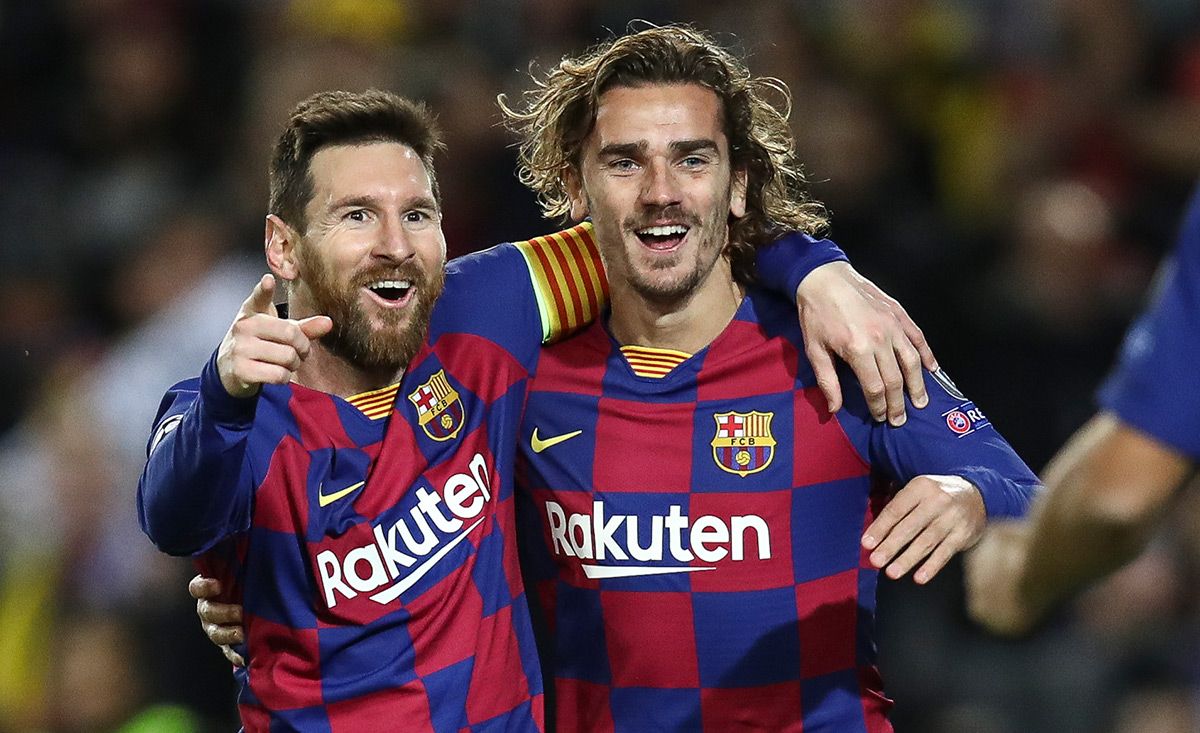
(376, 566)
(683, 595)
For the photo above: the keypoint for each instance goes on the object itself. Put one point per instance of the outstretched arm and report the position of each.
(1104, 493)
(194, 490)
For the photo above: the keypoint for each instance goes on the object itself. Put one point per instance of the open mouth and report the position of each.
(662, 237)
(392, 292)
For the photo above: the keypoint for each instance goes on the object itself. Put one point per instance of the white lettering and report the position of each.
(603, 533)
(651, 553)
(709, 529)
(558, 529)
(331, 577)
(676, 523)
(429, 538)
(369, 555)
(392, 556)
(598, 536)
(413, 544)
(578, 525)
(428, 503)
(479, 471)
(755, 522)
(459, 488)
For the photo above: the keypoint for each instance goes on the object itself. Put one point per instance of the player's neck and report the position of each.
(328, 372)
(688, 323)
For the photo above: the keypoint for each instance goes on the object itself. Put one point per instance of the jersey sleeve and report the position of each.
(568, 279)
(196, 488)
(523, 294)
(784, 263)
(951, 436)
(1154, 386)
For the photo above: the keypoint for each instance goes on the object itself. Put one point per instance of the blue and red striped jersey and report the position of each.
(694, 538)
(1153, 387)
(374, 558)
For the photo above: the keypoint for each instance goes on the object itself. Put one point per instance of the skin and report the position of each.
(1104, 494)
(372, 216)
(658, 156)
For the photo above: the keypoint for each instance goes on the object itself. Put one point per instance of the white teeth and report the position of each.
(398, 284)
(664, 231)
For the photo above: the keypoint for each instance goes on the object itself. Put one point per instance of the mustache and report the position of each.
(650, 216)
(410, 270)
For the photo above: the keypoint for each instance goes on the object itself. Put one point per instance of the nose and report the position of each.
(393, 241)
(660, 187)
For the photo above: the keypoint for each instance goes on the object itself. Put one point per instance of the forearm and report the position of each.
(1105, 492)
(193, 491)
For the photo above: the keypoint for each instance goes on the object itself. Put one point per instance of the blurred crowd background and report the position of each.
(1011, 170)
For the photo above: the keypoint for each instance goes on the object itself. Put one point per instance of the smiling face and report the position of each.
(655, 176)
(373, 256)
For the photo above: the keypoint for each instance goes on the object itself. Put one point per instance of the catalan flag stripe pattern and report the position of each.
(568, 279)
(377, 403)
(647, 361)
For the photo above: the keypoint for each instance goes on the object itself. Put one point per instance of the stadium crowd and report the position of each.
(1010, 170)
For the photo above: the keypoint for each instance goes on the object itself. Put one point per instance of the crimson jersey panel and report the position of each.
(695, 540)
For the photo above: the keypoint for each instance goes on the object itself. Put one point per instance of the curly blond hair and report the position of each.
(560, 112)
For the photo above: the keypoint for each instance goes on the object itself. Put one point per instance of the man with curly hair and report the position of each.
(692, 489)
(693, 520)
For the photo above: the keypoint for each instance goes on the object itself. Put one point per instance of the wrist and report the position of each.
(815, 282)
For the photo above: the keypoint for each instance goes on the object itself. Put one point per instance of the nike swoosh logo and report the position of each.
(540, 445)
(327, 499)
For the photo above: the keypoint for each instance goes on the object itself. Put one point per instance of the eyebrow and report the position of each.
(677, 146)
(692, 146)
(418, 202)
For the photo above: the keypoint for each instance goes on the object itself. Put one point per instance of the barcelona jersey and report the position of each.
(1156, 384)
(374, 557)
(692, 527)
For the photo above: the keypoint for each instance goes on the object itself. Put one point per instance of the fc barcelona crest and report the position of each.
(743, 443)
(439, 409)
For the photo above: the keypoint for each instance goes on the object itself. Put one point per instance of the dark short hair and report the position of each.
(344, 118)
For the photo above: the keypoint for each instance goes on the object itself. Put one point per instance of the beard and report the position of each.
(390, 345)
(652, 280)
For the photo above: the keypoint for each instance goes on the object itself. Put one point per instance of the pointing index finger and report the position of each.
(261, 299)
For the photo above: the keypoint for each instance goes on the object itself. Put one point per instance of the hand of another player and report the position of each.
(262, 348)
(929, 520)
(844, 314)
(993, 571)
(222, 622)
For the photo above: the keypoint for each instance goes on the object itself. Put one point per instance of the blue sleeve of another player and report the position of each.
(489, 294)
(788, 260)
(195, 489)
(1155, 386)
(949, 437)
